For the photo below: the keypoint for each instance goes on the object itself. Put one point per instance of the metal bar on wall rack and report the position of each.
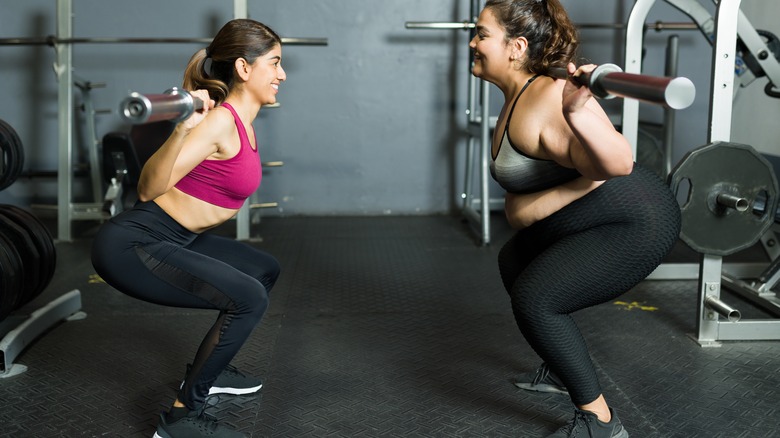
(484, 158)
(241, 10)
(64, 72)
(465, 25)
(55, 40)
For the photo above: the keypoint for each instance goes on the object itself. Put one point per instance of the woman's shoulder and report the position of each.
(216, 126)
(219, 119)
(542, 98)
(548, 87)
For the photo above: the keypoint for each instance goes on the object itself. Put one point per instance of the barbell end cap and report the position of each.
(680, 93)
(135, 108)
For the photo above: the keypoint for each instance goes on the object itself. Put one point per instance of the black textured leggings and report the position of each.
(146, 254)
(588, 253)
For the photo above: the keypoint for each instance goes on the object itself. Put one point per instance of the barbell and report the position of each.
(174, 104)
(608, 80)
(729, 197)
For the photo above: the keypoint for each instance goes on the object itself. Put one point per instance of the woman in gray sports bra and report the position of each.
(591, 224)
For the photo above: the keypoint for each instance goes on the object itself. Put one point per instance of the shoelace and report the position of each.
(541, 373)
(581, 422)
(206, 421)
(233, 370)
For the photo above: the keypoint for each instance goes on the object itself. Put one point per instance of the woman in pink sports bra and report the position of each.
(159, 251)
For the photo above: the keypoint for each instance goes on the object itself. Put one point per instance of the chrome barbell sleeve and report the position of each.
(175, 105)
(608, 80)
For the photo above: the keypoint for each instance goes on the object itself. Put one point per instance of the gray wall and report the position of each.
(373, 123)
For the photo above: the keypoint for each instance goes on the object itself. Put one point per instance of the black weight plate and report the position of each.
(11, 154)
(10, 277)
(733, 168)
(28, 253)
(43, 241)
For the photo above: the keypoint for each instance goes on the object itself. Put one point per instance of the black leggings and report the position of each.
(146, 254)
(590, 252)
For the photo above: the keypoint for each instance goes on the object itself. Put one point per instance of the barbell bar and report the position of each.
(175, 105)
(608, 80)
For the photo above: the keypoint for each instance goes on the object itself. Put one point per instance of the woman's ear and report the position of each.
(243, 68)
(519, 47)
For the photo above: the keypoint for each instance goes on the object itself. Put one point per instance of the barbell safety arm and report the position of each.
(609, 80)
(175, 105)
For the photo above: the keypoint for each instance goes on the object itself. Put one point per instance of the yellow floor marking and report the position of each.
(635, 305)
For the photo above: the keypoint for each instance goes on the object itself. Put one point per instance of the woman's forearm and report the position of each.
(606, 152)
(156, 174)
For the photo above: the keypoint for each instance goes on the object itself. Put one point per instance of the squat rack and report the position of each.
(62, 42)
(729, 23)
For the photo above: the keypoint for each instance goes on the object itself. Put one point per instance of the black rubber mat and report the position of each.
(383, 327)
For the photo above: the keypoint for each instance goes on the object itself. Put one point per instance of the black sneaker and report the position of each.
(587, 424)
(232, 381)
(542, 380)
(196, 424)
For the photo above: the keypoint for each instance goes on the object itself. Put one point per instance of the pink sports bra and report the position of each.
(226, 183)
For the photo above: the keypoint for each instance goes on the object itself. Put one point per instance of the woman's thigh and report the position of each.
(165, 273)
(245, 258)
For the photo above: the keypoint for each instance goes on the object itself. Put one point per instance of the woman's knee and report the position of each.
(251, 299)
(509, 266)
(271, 273)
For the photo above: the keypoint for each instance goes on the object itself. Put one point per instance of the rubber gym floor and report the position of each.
(384, 327)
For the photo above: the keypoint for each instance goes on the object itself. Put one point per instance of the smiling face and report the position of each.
(265, 75)
(492, 53)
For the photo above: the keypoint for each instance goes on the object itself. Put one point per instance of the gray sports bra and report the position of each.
(518, 172)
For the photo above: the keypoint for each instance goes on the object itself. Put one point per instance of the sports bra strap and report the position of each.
(509, 116)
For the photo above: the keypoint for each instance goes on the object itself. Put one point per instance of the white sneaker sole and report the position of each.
(540, 387)
(234, 391)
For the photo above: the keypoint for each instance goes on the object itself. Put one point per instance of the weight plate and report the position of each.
(10, 277)
(29, 255)
(723, 167)
(11, 155)
(23, 245)
(43, 242)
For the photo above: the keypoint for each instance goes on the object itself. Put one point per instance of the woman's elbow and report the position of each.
(144, 194)
(615, 168)
(623, 168)
(517, 221)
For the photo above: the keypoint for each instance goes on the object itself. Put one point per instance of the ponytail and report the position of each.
(197, 78)
(563, 39)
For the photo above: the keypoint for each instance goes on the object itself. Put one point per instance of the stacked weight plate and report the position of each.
(27, 258)
(27, 255)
